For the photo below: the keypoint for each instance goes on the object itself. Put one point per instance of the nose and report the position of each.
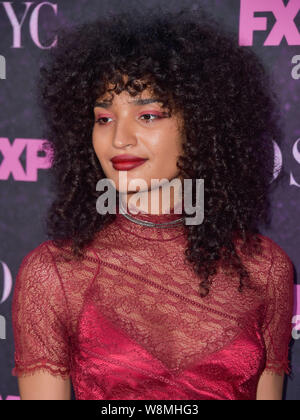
(124, 134)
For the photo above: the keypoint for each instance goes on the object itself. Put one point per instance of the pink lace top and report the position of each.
(127, 322)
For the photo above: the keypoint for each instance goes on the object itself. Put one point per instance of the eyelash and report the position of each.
(147, 121)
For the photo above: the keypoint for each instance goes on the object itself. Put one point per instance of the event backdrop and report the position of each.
(270, 27)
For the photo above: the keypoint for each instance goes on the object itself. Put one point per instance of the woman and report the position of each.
(128, 309)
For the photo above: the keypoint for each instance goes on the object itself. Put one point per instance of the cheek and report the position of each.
(170, 147)
(166, 162)
(98, 146)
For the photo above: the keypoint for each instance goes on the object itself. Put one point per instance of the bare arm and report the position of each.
(270, 386)
(44, 386)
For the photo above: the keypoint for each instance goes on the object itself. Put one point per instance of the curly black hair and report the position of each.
(230, 112)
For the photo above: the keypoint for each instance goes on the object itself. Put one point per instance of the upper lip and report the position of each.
(126, 158)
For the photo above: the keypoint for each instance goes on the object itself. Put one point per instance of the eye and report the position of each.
(148, 120)
(99, 120)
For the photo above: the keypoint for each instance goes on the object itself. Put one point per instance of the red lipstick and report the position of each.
(126, 162)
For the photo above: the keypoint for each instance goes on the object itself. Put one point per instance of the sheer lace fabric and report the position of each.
(127, 322)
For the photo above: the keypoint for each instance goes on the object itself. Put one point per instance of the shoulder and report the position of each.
(43, 266)
(37, 267)
(276, 255)
(279, 272)
(49, 257)
(55, 265)
(44, 255)
(268, 251)
(38, 256)
(268, 263)
(38, 283)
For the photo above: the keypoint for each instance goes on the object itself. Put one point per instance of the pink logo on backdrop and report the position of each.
(11, 397)
(11, 163)
(284, 26)
(20, 23)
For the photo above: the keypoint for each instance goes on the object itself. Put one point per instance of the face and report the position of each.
(141, 129)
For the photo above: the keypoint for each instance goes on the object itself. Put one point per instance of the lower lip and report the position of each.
(126, 166)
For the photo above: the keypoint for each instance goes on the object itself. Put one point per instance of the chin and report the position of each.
(131, 191)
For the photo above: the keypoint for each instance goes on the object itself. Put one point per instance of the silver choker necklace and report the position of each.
(172, 223)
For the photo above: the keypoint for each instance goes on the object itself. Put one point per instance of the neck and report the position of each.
(152, 203)
(162, 227)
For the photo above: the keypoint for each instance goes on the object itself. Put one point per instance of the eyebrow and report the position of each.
(106, 104)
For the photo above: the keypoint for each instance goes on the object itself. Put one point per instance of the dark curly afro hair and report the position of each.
(230, 112)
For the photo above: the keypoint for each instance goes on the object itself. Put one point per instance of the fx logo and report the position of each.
(11, 159)
(284, 26)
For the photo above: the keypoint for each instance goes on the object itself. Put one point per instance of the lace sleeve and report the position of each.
(39, 317)
(277, 326)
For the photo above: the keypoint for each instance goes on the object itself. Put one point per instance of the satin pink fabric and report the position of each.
(109, 365)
